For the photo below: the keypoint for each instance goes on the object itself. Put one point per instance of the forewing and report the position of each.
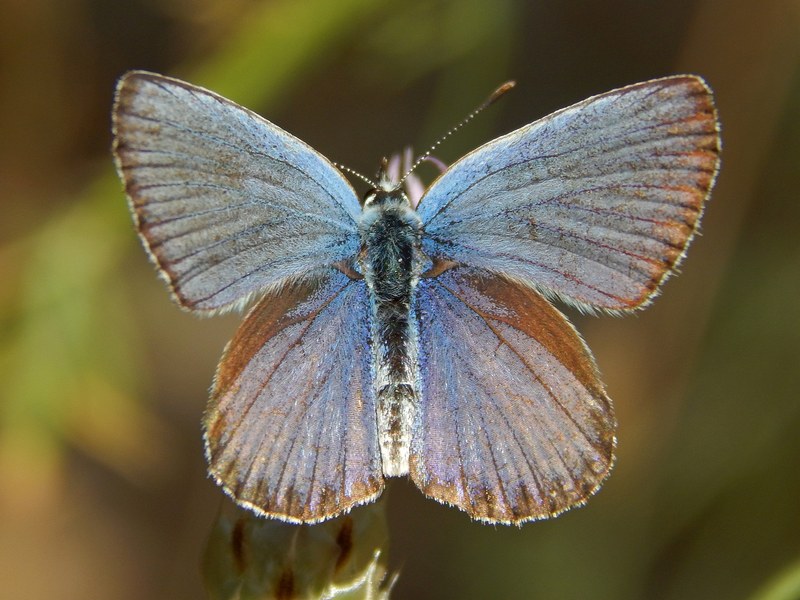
(513, 424)
(291, 429)
(595, 203)
(226, 202)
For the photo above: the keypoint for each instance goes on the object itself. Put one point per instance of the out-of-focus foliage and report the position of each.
(102, 487)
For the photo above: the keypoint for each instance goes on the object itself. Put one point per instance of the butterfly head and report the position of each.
(381, 197)
(388, 190)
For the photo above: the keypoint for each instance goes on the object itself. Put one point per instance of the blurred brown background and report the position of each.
(103, 491)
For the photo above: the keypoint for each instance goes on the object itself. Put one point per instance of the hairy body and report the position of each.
(391, 262)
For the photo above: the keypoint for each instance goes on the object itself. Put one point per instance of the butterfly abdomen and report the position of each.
(390, 259)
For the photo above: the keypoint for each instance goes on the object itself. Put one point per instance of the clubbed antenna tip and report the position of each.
(500, 92)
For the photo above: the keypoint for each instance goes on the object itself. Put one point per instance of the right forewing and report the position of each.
(595, 203)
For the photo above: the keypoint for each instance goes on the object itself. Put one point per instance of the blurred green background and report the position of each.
(103, 492)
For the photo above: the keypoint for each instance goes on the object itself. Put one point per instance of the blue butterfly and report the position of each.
(389, 340)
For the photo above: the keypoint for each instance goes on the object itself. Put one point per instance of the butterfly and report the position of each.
(385, 339)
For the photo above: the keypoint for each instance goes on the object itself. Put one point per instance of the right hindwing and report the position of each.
(514, 424)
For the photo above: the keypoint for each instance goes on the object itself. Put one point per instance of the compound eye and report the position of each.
(370, 197)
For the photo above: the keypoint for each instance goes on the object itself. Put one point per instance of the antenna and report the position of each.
(493, 97)
(367, 180)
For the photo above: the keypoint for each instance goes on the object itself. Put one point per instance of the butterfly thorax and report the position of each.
(391, 261)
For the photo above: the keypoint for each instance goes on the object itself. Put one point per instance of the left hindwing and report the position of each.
(595, 203)
(514, 424)
(291, 430)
